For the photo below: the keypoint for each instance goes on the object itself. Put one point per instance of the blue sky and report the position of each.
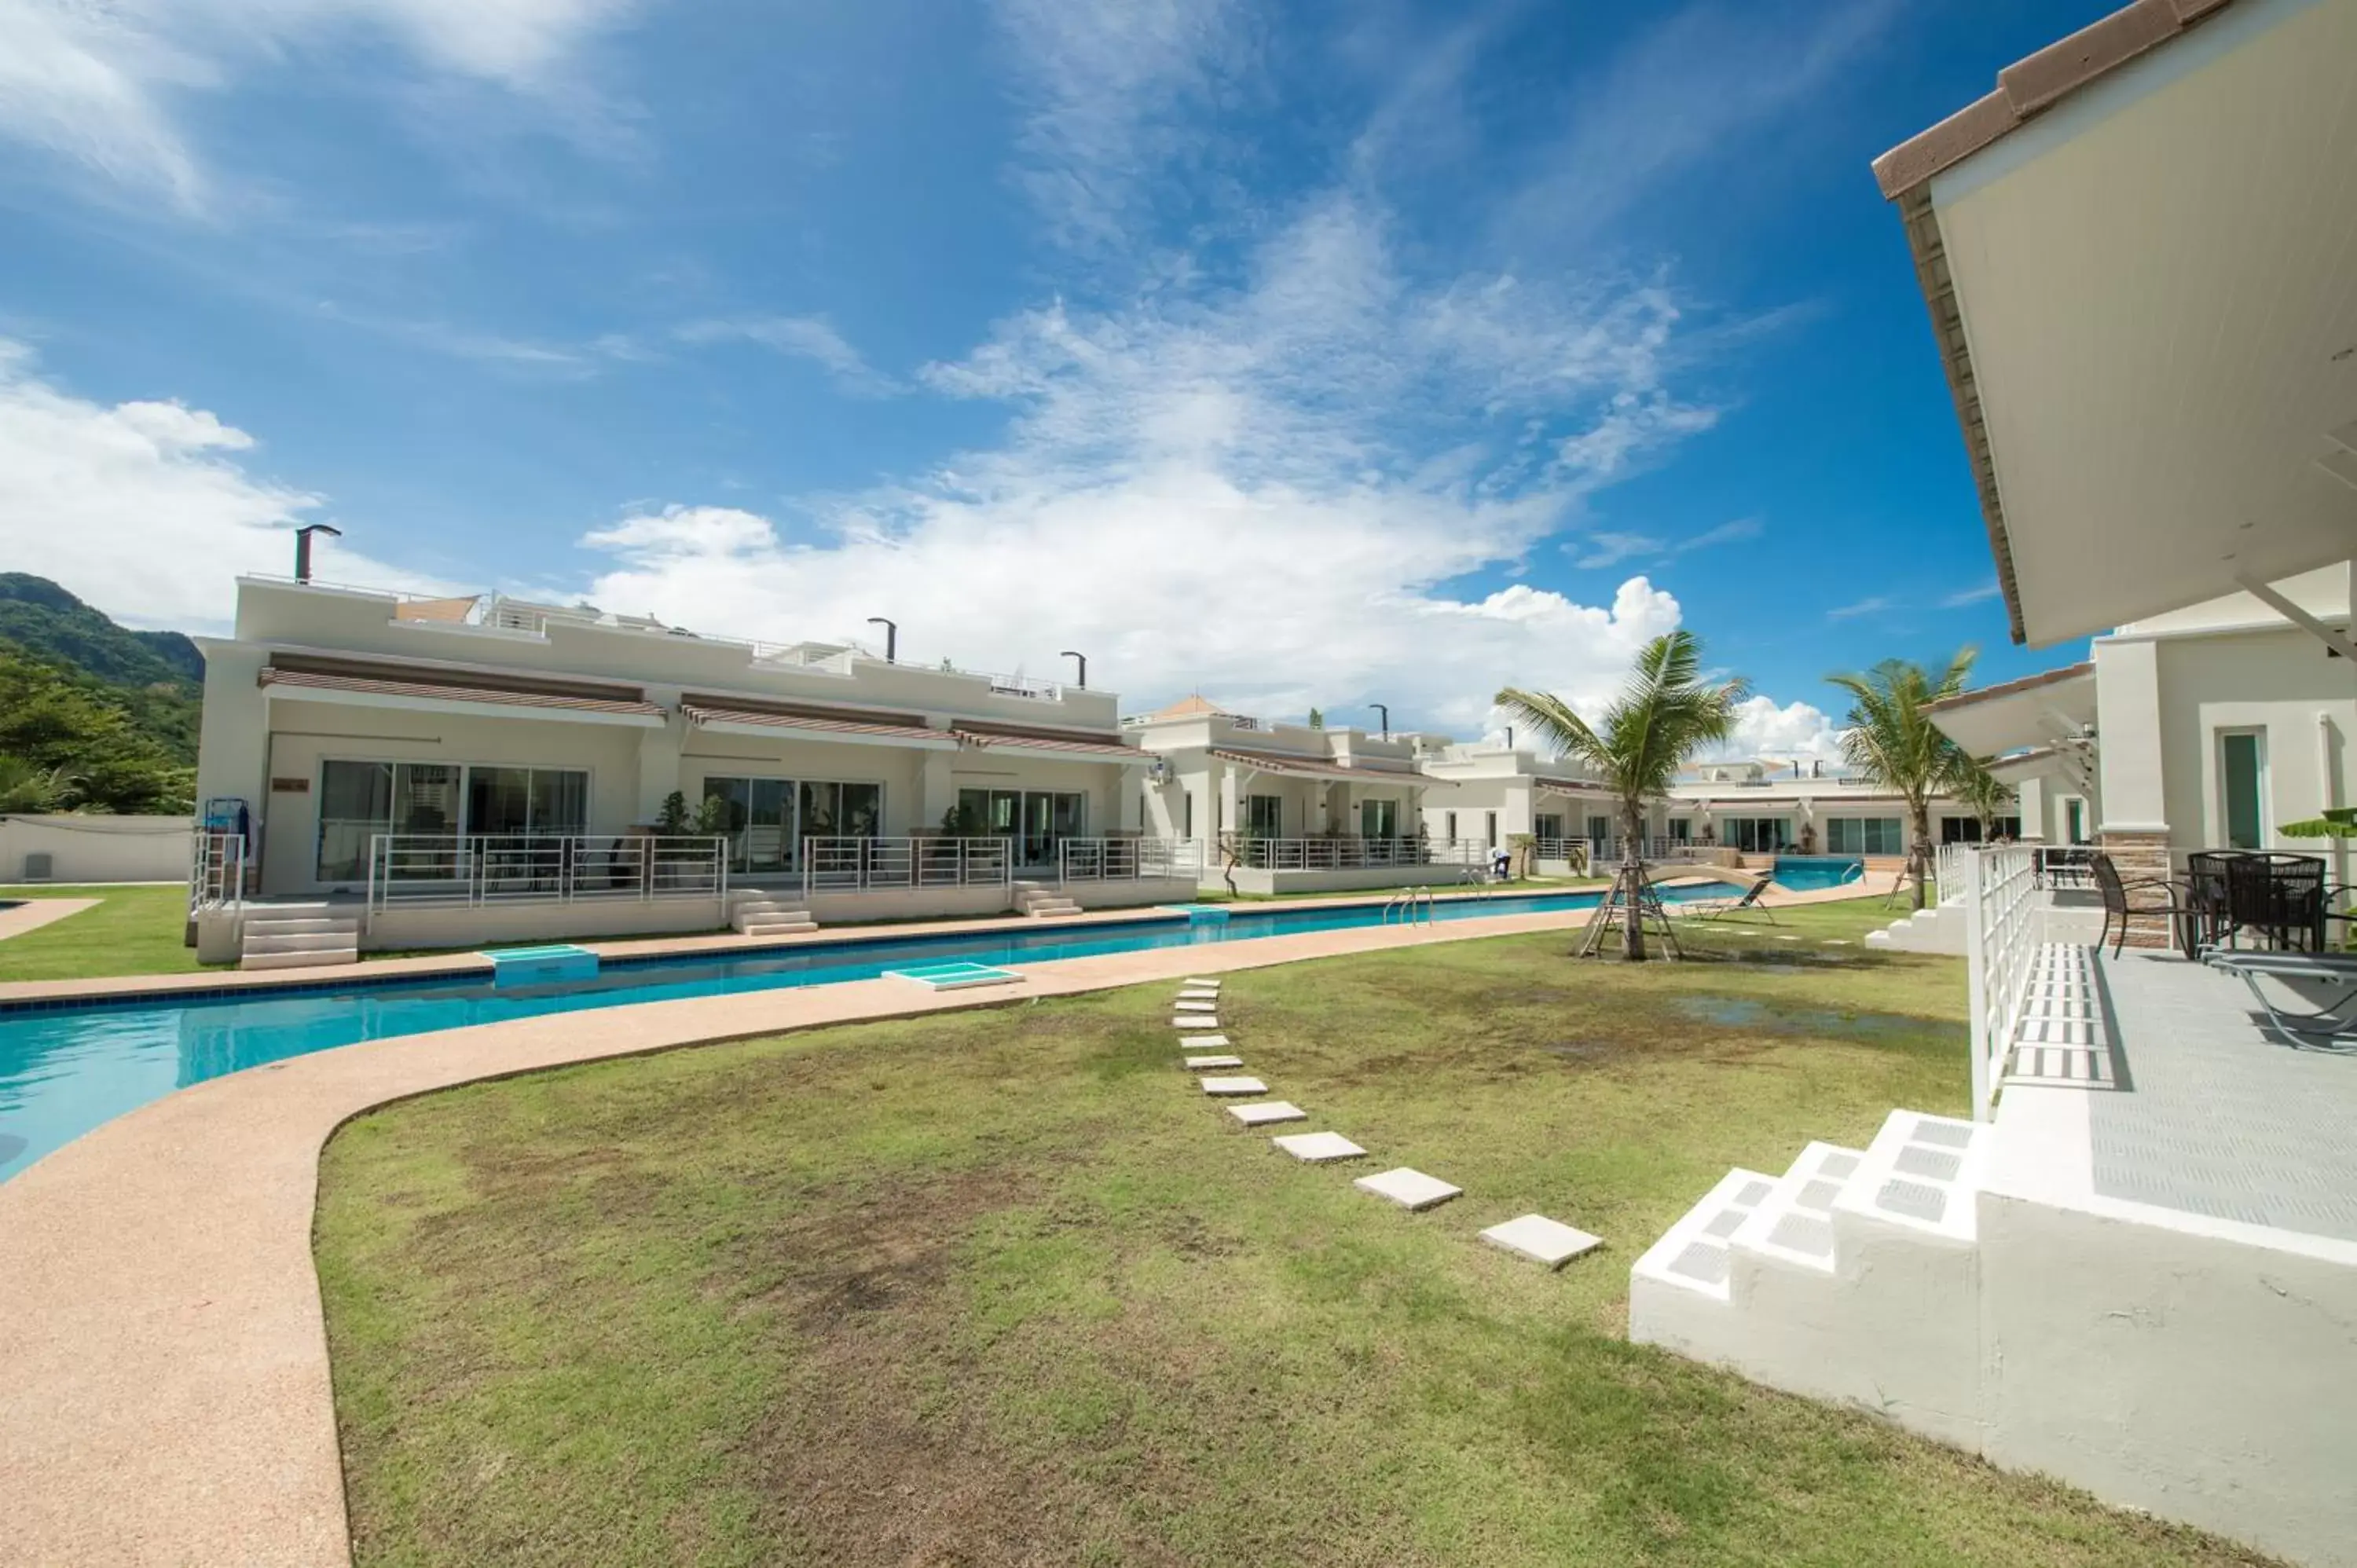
(1296, 353)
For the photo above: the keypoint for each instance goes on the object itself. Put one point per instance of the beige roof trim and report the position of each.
(2029, 88)
(2011, 687)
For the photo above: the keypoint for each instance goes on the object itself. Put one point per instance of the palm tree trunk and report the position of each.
(1919, 854)
(1632, 879)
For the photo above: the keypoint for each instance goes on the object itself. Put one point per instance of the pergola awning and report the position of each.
(725, 720)
(1056, 747)
(2142, 276)
(2037, 710)
(1312, 768)
(455, 696)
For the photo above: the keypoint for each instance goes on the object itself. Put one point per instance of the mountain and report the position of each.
(44, 619)
(156, 679)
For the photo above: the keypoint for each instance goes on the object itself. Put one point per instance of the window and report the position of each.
(358, 800)
(1448, 826)
(2074, 820)
(1757, 835)
(538, 801)
(1681, 830)
(1189, 831)
(1490, 827)
(1547, 824)
(1264, 816)
(2242, 786)
(758, 820)
(1379, 819)
(1039, 820)
(842, 810)
(1865, 835)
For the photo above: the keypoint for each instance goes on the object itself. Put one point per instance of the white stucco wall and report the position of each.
(97, 849)
(2282, 686)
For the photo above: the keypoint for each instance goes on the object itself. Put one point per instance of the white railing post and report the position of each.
(2000, 947)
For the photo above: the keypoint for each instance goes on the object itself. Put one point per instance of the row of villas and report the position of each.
(486, 754)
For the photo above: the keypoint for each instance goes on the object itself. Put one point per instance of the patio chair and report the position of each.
(1727, 908)
(2328, 1027)
(2182, 911)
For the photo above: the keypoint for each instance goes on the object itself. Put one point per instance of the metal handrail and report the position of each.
(476, 869)
(862, 865)
(1406, 901)
(1350, 853)
(1128, 859)
(217, 873)
(2000, 950)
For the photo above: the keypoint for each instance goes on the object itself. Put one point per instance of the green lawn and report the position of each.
(1001, 1287)
(134, 930)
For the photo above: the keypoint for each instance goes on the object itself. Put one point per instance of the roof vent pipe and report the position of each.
(303, 546)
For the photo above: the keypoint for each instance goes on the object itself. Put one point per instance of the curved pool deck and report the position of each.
(164, 1394)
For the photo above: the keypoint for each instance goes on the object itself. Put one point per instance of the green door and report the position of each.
(2241, 765)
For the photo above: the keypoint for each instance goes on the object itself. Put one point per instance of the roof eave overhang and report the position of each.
(278, 692)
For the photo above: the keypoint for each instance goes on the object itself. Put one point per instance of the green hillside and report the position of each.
(92, 714)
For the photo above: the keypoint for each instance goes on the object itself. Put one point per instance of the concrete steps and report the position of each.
(296, 936)
(1939, 929)
(1043, 903)
(761, 915)
(1852, 1277)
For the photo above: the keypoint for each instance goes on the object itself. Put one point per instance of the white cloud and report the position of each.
(145, 509)
(1874, 604)
(1957, 601)
(812, 337)
(1605, 547)
(1633, 423)
(96, 84)
(1764, 728)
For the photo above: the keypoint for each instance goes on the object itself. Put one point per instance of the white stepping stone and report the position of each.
(1203, 1042)
(1185, 1007)
(1194, 1021)
(1268, 1111)
(1411, 1189)
(1541, 1240)
(1196, 1064)
(1318, 1147)
(1235, 1085)
(1198, 996)
(1197, 980)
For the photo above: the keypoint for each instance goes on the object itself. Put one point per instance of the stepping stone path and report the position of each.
(1318, 1147)
(1194, 1021)
(1195, 980)
(1203, 1042)
(1184, 1005)
(1235, 1085)
(1196, 1064)
(1541, 1240)
(1411, 1189)
(1267, 1111)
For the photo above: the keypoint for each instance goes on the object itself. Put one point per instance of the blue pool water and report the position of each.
(1807, 872)
(64, 1070)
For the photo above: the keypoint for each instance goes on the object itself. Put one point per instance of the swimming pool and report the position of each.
(65, 1069)
(1808, 873)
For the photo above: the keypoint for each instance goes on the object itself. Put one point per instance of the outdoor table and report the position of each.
(2278, 896)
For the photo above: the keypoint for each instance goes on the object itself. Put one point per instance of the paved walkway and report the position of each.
(164, 1382)
(34, 913)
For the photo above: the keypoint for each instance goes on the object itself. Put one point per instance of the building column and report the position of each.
(1229, 816)
(659, 753)
(937, 792)
(1129, 786)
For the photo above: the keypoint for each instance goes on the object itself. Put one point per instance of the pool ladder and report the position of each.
(1407, 902)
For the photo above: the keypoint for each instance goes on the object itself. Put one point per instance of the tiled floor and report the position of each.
(2217, 1115)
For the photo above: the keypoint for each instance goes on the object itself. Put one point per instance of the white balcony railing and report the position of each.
(471, 869)
(859, 865)
(216, 872)
(2000, 946)
(1351, 852)
(1948, 871)
(1129, 860)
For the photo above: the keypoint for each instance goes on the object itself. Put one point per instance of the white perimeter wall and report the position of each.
(98, 849)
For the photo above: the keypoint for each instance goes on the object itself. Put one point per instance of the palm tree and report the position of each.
(1665, 714)
(1893, 743)
(1980, 791)
(24, 787)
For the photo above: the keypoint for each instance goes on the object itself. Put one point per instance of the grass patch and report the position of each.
(998, 1287)
(134, 930)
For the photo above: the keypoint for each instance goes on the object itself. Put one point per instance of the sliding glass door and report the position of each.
(758, 820)
(1039, 820)
(358, 800)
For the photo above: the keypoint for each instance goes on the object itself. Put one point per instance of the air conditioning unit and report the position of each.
(39, 867)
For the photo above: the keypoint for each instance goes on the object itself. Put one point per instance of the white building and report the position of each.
(2135, 1268)
(499, 757)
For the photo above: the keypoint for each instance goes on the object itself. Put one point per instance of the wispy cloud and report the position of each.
(1874, 606)
(812, 337)
(99, 84)
(1605, 548)
(1957, 601)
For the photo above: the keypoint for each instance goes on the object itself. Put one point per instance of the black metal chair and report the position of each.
(2183, 912)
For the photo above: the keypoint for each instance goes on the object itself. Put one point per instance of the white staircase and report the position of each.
(1938, 929)
(1852, 1277)
(1043, 903)
(767, 915)
(293, 935)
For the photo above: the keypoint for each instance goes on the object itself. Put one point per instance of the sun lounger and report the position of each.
(1727, 908)
(2331, 1027)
